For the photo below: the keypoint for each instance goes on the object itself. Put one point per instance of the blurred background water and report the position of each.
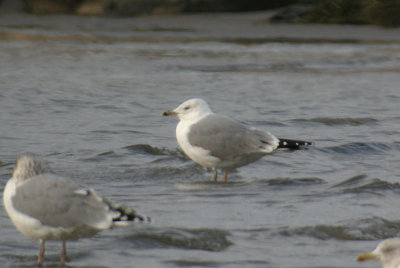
(87, 94)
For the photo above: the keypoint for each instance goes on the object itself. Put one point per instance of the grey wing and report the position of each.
(226, 138)
(60, 202)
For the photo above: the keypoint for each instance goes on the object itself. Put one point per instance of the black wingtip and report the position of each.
(293, 144)
(130, 215)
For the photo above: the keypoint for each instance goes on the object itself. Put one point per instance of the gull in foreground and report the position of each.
(387, 252)
(219, 142)
(45, 206)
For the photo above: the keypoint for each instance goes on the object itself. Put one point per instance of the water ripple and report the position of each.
(294, 181)
(148, 149)
(193, 263)
(374, 186)
(352, 180)
(143, 149)
(362, 184)
(167, 172)
(246, 67)
(361, 148)
(364, 229)
(199, 239)
(334, 121)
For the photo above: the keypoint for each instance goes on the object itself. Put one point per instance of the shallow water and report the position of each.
(90, 101)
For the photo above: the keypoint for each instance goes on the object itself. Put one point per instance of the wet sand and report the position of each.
(239, 27)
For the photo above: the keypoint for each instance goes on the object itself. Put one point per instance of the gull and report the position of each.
(45, 206)
(387, 252)
(219, 142)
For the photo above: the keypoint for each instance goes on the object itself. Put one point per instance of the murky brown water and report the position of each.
(89, 99)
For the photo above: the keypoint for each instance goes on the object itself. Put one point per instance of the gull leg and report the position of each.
(224, 176)
(41, 253)
(63, 254)
(215, 174)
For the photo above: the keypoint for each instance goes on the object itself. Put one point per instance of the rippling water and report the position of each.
(91, 104)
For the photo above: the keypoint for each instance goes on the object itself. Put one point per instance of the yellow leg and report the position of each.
(63, 254)
(224, 176)
(41, 253)
(215, 174)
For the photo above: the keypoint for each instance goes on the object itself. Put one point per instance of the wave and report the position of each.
(361, 183)
(293, 181)
(143, 149)
(351, 181)
(193, 263)
(246, 67)
(152, 150)
(167, 172)
(361, 148)
(232, 263)
(196, 239)
(365, 229)
(334, 121)
(5, 164)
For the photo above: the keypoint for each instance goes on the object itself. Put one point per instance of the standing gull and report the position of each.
(45, 206)
(217, 141)
(387, 252)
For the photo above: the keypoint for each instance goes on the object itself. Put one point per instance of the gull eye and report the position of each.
(186, 108)
(388, 249)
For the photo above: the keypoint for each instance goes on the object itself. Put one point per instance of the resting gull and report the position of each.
(45, 206)
(219, 142)
(387, 252)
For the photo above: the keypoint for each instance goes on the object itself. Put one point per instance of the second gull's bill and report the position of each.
(387, 252)
(45, 206)
(219, 142)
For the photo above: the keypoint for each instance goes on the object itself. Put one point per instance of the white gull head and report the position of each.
(28, 165)
(190, 110)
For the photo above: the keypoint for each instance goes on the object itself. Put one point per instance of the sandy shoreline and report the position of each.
(242, 27)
